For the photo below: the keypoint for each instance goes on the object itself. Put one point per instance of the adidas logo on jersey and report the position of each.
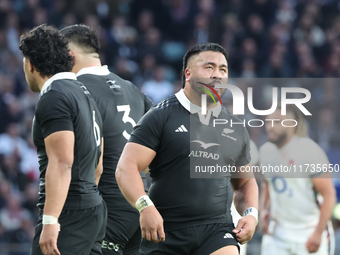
(181, 129)
(228, 235)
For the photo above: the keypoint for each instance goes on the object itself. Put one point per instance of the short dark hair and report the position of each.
(47, 50)
(198, 49)
(83, 36)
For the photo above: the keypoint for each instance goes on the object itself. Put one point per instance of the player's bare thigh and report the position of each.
(230, 250)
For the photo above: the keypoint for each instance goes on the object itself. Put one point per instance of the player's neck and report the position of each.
(84, 62)
(41, 81)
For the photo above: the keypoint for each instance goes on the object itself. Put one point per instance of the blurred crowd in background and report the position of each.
(144, 42)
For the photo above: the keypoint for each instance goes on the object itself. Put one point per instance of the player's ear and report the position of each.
(187, 74)
(30, 65)
(71, 53)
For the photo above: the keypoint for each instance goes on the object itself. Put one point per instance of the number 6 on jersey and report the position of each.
(96, 130)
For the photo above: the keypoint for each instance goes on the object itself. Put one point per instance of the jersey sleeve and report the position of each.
(53, 114)
(148, 131)
(244, 157)
(147, 103)
(317, 157)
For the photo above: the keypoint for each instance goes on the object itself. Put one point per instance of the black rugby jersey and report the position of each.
(65, 104)
(121, 104)
(181, 141)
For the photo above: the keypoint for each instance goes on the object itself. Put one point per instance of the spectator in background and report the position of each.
(11, 141)
(146, 70)
(276, 67)
(328, 94)
(250, 49)
(263, 8)
(5, 191)
(286, 12)
(5, 8)
(10, 166)
(31, 196)
(180, 16)
(308, 68)
(125, 68)
(28, 12)
(209, 12)
(333, 61)
(233, 32)
(123, 37)
(29, 166)
(151, 44)
(40, 17)
(325, 129)
(255, 30)
(145, 21)
(27, 102)
(201, 30)
(68, 19)
(306, 65)
(248, 68)
(13, 33)
(12, 111)
(59, 9)
(309, 31)
(16, 221)
(158, 87)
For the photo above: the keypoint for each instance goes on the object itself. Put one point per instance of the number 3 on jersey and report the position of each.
(126, 109)
(96, 130)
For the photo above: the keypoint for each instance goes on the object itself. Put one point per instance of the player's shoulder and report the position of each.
(103, 75)
(308, 145)
(164, 109)
(127, 85)
(167, 104)
(159, 114)
(306, 141)
(122, 82)
(60, 88)
(119, 79)
(225, 113)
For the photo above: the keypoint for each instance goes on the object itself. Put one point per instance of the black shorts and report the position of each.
(123, 235)
(81, 231)
(199, 240)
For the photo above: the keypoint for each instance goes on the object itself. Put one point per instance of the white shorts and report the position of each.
(272, 245)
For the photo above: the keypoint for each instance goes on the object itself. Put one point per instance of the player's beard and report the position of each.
(279, 140)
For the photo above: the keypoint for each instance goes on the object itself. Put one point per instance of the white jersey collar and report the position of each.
(96, 70)
(192, 108)
(58, 76)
